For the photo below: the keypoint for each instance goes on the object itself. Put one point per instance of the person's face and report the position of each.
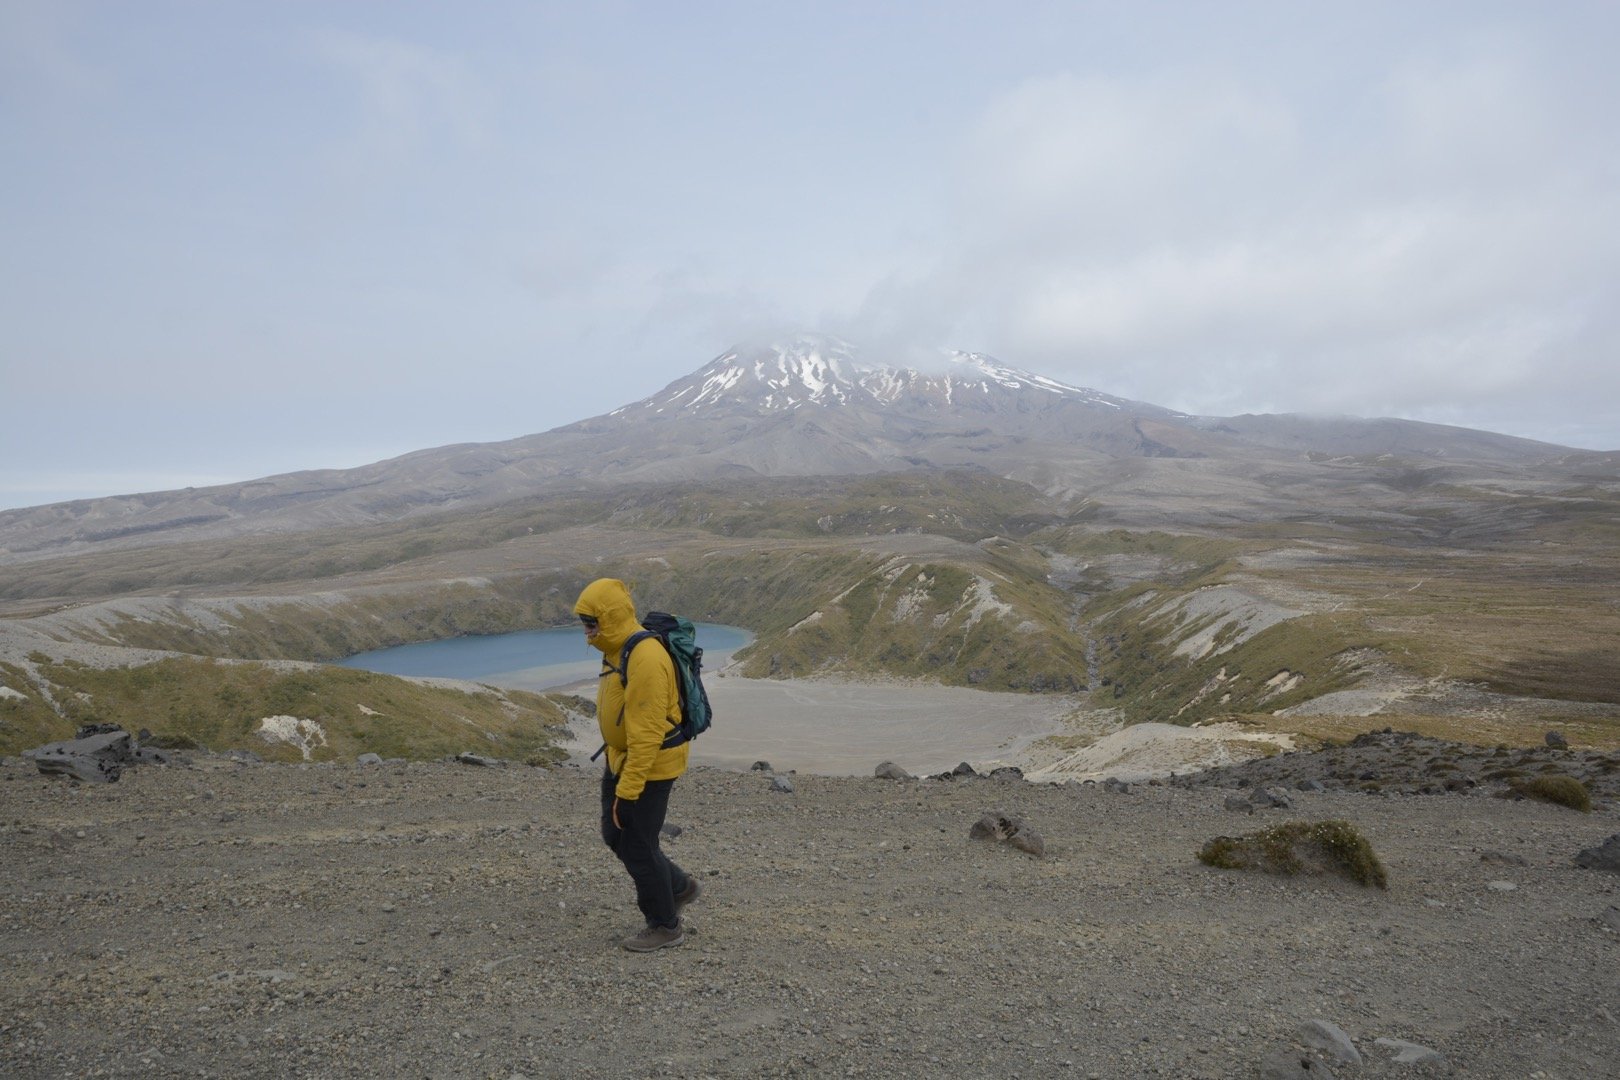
(590, 626)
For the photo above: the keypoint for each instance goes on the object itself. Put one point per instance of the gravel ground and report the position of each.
(441, 920)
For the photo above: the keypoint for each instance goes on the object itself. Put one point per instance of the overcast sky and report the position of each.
(239, 239)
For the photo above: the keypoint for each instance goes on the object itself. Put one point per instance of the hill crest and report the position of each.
(812, 406)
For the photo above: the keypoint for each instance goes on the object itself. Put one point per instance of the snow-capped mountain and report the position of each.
(813, 406)
(812, 370)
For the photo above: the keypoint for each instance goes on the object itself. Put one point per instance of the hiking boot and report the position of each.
(653, 938)
(692, 891)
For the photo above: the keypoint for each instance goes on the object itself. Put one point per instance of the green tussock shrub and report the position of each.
(1562, 790)
(1299, 847)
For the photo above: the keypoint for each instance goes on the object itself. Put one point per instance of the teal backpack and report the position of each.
(679, 638)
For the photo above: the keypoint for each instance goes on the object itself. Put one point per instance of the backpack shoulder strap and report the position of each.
(624, 655)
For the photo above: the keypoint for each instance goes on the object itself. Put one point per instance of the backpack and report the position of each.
(679, 639)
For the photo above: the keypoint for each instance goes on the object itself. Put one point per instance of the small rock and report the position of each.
(1116, 785)
(1501, 886)
(963, 769)
(1410, 1053)
(1240, 804)
(1610, 919)
(369, 759)
(998, 826)
(1604, 857)
(1264, 797)
(761, 766)
(1331, 1038)
(888, 770)
(470, 758)
(782, 784)
(1315, 787)
(1007, 772)
(1556, 740)
(671, 831)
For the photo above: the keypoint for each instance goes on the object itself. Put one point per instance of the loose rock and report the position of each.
(1331, 1037)
(1012, 830)
(1606, 856)
(1410, 1053)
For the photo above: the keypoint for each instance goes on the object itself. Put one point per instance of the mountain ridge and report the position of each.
(812, 406)
(827, 371)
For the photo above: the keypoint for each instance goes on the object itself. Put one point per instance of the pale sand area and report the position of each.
(845, 727)
(841, 727)
(1148, 751)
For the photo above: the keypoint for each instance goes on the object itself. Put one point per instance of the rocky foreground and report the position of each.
(231, 919)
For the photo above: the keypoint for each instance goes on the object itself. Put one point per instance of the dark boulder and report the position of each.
(98, 756)
(1605, 856)
(1007, 829)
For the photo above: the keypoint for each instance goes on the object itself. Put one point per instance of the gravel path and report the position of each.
(441, 920)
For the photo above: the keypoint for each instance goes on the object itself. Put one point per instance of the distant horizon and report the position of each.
(183, 482)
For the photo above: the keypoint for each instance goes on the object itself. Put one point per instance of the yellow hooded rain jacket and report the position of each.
(634, 718)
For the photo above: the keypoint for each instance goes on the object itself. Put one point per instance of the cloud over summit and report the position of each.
(356, 230)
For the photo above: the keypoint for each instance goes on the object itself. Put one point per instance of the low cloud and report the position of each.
(1449, 238)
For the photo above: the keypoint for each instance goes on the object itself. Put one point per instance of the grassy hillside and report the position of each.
(962, 505)
(191, 702)
(1522, 620)
(955, 577)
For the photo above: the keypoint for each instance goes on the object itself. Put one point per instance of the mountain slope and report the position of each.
(810, 407)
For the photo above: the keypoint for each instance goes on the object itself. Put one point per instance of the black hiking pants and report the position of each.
(657, 878)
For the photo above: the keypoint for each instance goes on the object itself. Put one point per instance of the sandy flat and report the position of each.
(1145, 751)
(846, 727)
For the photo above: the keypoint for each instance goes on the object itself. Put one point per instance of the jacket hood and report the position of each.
(608, 601)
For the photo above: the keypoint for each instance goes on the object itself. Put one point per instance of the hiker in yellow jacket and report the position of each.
(636, 713)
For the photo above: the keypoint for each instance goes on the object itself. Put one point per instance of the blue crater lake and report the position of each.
(526, 660)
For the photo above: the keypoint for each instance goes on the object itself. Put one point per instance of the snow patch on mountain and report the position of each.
(813, 370)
